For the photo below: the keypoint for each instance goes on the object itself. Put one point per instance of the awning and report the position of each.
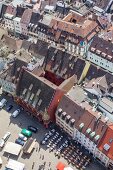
(12, 148)
(60, 166)
(68, 168)
(15, 165)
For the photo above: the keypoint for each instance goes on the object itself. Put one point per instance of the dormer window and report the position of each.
(81, 126)
(72, 122)
(68, 118)
(59, 112)
(63, 115)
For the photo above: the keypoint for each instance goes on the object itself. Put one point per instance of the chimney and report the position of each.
(93, 84)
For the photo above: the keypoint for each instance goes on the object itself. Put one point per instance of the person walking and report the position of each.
(49, 163)
(42, 157)
(39, 149)
(33, 165)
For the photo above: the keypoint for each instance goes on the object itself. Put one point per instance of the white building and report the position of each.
(8, 18)
(17, 25)
(101, 53)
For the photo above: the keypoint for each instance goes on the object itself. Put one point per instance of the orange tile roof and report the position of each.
(26, 16)
(107, 139)
(83, 27)
(11, 10)
(60, 166)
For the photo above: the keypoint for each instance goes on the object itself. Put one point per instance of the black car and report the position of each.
(9, 107)
(33, 129)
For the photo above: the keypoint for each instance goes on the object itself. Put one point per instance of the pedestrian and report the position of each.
(39, 149)
(9, 123)
(8, 157)
(33, 165)
(36, 149)
(49, 163)
(42, 157)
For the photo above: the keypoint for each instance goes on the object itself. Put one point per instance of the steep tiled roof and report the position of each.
(13, 44)
(107, 139)
(83, 114)
(26, 44)
(26, 16)
(35, 18)
(102, 48)
(94, 72)
(40, 48)
(71, 107)
(19, 11)
(11, 10)
(63, 64)
(46, 88)
(97, 126)
(74, 24)
(13, 70)
(17, 65)
(102, 83)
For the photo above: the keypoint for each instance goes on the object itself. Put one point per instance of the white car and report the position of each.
(22, 137)
(2, 143)
(16, 113)
(6, 136)
(3, 103)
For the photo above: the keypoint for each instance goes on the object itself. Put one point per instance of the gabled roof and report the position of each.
(26, 16)
(35, 17)
(102, 48)
(46, 88)
(63, 64)
(26, 44)
(19, 11)
(11, 10)
(71, 107)
(40, 48)
(85, 118)
(75, 24)
(100, 83)
(13, 44)
(95, 72)
(107, 139)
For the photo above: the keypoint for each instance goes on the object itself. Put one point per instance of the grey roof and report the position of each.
(35, 18)
(103, 46)
(47, 88)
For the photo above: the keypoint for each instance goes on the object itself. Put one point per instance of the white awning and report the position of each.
(15, 165)
(68, 168)
(12, 148)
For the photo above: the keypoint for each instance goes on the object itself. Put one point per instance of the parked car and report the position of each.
(2, 143)
(16, 113)
(9, 107)
(22, 137)
(26, 132)
(33, 129)
(3, 103)
(6, 136)
(19, 141)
